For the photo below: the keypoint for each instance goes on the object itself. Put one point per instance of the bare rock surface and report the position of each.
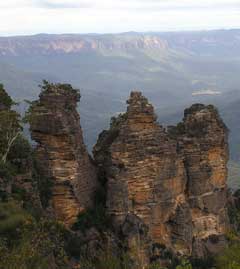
(61, 153)
(205, 147)
(173, 180)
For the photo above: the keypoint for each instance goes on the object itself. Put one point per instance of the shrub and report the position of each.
(107, 260)
(48, 86)
(6, 100)
(73, 245)
(12, 218)
(10, 129)
(230, 258)
(156, 266)
(3, 196)
(95, 217)
(234, 217)
(24, 256)
(26, 243)
(6, 171)
(185, 264)
(20, 155)
(19, 194)
(44, 185)
(117, 121)
(203, 263)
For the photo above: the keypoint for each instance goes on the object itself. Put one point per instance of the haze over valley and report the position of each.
(173, 69)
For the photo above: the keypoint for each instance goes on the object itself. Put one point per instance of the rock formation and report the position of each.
(166, 187)
(204, 143)
(61, 154)
(171, 184)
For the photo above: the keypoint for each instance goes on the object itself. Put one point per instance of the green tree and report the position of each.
(230, 258)
(185, 264)
(29, 244)
(10, 129)
(10, 124)
(5, 100)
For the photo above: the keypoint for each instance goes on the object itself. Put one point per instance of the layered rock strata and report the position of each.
(61, 154)
(174, 182)
(203, 141)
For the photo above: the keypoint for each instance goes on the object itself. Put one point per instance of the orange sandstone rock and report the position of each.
(61, 154)
(173, 182)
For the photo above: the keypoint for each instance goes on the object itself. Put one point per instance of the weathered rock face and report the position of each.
(145, 173)
(175, 182)
(61, 153)
(204, 143)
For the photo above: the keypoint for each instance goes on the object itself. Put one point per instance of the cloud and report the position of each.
(161, 5)
(14, 4)
(84, 16)
(156, 5)
(61, 4)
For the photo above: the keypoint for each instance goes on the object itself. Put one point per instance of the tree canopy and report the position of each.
(10, 124)
(5, 100)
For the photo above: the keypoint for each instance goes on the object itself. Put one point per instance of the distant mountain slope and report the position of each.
(70, 43)
(224, 42)
(168, 67)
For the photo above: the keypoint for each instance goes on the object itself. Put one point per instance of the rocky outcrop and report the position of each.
(174, 181)
(60, 152)
(166, 187)
(145, 174)
(204, 144)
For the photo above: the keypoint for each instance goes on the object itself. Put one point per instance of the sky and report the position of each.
(24, 17)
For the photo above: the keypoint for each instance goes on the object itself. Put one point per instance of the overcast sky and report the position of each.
(107, 16)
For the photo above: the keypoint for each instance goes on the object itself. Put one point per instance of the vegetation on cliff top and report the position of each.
(62, 88)
(5, 100)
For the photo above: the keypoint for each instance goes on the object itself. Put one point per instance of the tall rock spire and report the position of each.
(145, 174)
(204, 141)
(61, 154)
(172, 183)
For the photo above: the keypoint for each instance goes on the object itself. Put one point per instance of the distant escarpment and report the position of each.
(63, 44)
(199, 42)
(166, 186)
(61, 155)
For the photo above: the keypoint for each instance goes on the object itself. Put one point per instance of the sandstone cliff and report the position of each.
(169, 187)
(204, 144)
(60, 152)
(166, 187)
